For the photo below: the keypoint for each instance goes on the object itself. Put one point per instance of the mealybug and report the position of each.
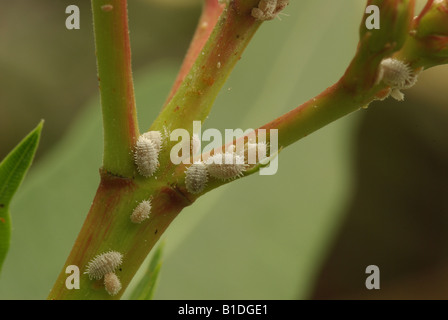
(146, 156)
(141, 212)
(155, 137)
(103, 264)
(196, 177)
(112, 284)
(268, 9)
(397, 75)
(226, 166)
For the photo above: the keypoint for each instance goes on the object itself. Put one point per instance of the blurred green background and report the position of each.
(368, 189)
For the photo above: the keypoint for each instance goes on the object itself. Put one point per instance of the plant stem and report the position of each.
(356, 89)
(108, 227)
(333, 103)
(195, 95)
(210, 14)
(113, 53)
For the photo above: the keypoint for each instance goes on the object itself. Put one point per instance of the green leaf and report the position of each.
(145, 288)
(12, 171)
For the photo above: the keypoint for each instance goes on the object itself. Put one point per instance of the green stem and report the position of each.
(427, 45)
(356, 89)
(335, 102)
(116, 85)
(108, 227)
(194, 96)
(197, 92)
(210, 14)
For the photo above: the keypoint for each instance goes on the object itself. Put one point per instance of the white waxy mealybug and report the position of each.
(103, 264)
(226, 166)
(141, 212)
(112, 284)
(146, 156)
(155, 137)
(196, 177)
(397, 75)
(268, 9)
